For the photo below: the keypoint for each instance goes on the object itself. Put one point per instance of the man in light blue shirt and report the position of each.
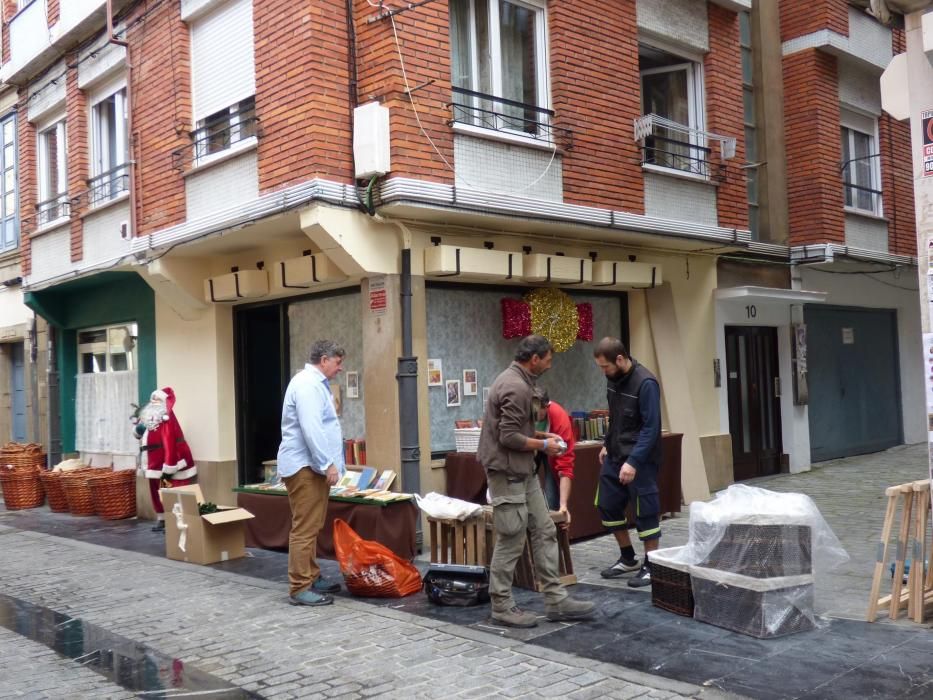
(310, 461)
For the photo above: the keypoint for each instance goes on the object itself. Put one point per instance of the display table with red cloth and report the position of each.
(466, 480)
(391, 524)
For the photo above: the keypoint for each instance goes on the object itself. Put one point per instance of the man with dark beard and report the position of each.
(168, 457)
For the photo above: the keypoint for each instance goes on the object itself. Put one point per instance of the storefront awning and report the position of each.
(769, 295)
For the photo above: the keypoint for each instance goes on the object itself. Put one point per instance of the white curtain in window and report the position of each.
(223, 69)
(102, 411)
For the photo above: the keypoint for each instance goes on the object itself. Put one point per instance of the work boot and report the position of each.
(516, 617)
(570, 609)
(623, 566)
(641, 579)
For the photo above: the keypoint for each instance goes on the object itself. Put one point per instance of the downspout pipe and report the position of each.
(408, 393)
(131, 136)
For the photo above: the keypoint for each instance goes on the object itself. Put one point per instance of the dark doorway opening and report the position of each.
(754, 400)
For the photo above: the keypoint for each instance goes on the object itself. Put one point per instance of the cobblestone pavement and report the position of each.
(241, 630)
(849, 493)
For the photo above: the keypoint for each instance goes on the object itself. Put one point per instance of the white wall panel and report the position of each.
(222, 67)
(51, 254)
(222, 186)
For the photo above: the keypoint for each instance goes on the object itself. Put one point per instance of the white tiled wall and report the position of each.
(868, 38)
(681, 21)
(865, 232)
(102, 236)
(859, 88)
(507, 168)
(51, 254)
(222, 186)
(679, 199)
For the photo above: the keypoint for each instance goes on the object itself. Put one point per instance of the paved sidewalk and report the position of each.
(242, 630)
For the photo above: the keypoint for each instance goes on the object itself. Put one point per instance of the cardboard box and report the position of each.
(201, 539)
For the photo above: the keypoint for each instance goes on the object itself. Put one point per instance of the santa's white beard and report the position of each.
(153, 415)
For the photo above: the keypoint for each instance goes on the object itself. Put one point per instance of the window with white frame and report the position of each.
(861, 163)
(53, 173)
(499, 65)
(672, 89)
(9, 220)
(110, 153)
(107, 349)
(223, 79)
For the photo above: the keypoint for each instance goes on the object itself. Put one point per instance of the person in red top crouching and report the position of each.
(558, 479)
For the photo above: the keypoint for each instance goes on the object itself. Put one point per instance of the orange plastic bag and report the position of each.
(371, 569)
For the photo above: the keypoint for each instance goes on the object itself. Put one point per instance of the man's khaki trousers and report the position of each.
(307, 495)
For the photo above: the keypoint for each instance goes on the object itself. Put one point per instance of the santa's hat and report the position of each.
(167, 396)
(158, 395)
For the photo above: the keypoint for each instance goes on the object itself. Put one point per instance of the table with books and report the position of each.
(466, 480)
(374, 513)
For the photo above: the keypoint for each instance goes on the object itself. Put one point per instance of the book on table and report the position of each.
(384, 482)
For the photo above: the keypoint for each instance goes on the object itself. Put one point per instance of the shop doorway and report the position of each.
(754, 400)
(262, 375)
(18, 392)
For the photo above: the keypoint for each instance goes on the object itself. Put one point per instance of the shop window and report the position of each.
(53, 174)
(9, 219)
(861, 167)
(110, 152)
(499, 66)
(672, 91)
(107, 349)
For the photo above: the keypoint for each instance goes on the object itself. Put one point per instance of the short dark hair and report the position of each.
(542, 396)
(532, 345)
(610, 348)
(324, 348)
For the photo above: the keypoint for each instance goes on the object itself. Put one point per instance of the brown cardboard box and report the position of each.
(201, 539)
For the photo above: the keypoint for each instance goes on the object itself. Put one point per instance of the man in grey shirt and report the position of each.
(506, 450)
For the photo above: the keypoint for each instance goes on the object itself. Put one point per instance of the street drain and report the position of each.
(132, 665)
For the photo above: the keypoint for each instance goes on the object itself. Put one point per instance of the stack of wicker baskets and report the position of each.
(114, 494)
(20, 466)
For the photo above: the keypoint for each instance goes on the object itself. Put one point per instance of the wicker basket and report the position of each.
(52, 483)
(16, 455)
(763, 549)
(467, 439)
(21, 487)
(78, 491)
(114, 494)
(671, 587)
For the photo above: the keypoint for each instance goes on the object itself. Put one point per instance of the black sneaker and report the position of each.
(641, 579)
(623, 566)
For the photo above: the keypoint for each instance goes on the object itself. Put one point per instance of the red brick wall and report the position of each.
(301, 92)
(812, 133)
(9, 9)
(425, 45)
(724, 110)
(596, 92)
(897, 185)
(160, 113)
(898, 41)
(799, 18)
(28, 187)
(78, 156)
(51, 8)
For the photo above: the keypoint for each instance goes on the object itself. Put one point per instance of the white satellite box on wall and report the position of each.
(371, 151)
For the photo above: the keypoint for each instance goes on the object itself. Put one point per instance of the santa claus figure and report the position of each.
(168, 458)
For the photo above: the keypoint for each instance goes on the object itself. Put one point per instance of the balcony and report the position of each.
(477, 112)
(52, 210)
(680, 149)
(108, 186)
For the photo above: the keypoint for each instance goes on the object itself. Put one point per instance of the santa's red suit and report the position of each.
(168, 457)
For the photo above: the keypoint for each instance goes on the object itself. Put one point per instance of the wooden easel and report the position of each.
(914, 502)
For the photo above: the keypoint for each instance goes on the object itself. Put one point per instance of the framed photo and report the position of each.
(435, 375)
(470, 385)
(453, 392)
(353, 385)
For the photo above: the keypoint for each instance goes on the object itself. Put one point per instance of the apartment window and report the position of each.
(499, 65)
(53, 174)
(110, 151)
(861, 166)
(9, 221)
(672, 90)
(221, 130)
(107, 349)
(751, 129)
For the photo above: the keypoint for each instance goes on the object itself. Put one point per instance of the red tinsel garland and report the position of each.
(516, 318)
(585, 321)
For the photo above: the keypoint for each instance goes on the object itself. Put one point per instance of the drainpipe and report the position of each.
(54, 450)
(112, 39)
(408, 394)
(35, 433)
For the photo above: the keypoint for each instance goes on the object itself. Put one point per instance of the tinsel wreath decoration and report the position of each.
(585, 321)
(554, 316)
(516, 318)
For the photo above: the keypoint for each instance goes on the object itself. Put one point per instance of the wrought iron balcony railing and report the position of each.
(109, 185)
(49, 210)
(211, 139)
(861, 197)
(669, 144)
(507, 116)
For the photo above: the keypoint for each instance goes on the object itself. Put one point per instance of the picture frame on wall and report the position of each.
(470, 385)
(453, 392)
(435, 373)
(353, 385)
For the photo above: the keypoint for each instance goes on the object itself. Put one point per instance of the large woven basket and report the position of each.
(21, 487)
(670, 582)
(78, 491)
(114, 494)
(52, 482)
(14, 454)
